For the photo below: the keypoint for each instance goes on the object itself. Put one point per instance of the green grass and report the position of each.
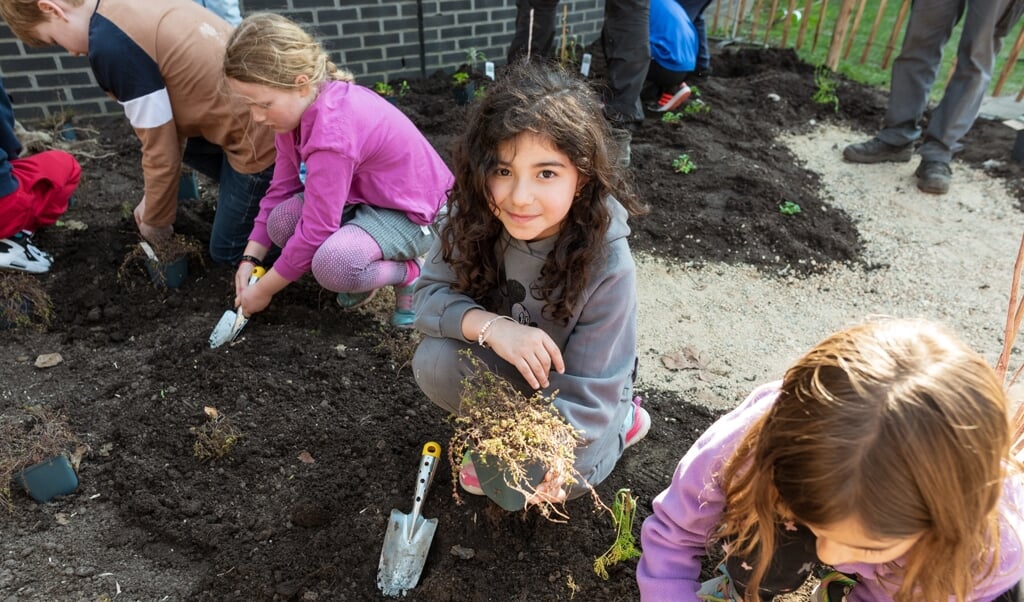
(870, 71)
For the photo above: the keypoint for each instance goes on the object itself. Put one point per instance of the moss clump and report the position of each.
(23, 302)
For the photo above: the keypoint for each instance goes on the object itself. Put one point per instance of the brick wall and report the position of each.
(372, 38)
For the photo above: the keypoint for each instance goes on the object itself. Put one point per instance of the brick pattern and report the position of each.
(375, 39)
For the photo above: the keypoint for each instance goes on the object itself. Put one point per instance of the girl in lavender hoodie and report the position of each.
(365, 210)
(882, 459)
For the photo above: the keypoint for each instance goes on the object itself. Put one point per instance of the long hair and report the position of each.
(550, 102)
(271, 50)
(897, 424)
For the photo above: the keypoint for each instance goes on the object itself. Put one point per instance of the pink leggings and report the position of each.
(349, 261)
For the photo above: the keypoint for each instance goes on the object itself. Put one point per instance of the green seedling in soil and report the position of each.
(696, 107)
(670, 117)
(460, 78)
(825, 79)
(216, 437)
(23, 302)
(31, 436)
(480, 92)
(624, 547)
(384, 89)
(501, 425)
(474, 56)
(789, 208)
(168, 251)
(683, 164)
(403, 88)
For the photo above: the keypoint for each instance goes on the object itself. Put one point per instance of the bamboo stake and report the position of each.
(896, 28)
(874, 31)
(853, 30)
(821, 20)
(739, 18)
(839, 34)
(803, 24)
(789, 20)
(1014, 317)
(529, 38)
(1020, 95)
(753, 23)
(1011, 61)
(718, 10)
(952, 70)
(771, 20)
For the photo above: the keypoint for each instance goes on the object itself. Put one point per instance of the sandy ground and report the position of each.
(947, 258)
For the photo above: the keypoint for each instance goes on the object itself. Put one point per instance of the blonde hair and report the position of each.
(897, 424)
(271, 50)
(22, 16)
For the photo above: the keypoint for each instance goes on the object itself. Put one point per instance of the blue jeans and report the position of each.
(238, 200)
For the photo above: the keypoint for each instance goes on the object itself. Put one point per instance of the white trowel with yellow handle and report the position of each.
(231, 322)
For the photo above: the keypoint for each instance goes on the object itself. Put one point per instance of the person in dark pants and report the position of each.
(624, 40)
(914, 72)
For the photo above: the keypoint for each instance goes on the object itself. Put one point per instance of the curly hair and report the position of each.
(550, 102)
(896, 424)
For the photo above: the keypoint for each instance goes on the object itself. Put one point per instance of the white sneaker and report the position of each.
(18, 253)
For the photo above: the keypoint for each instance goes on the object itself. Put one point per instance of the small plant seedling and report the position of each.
(216, 437)
(501, 425)
(460, 78)
(480, 92)
(696, 107)
(825, 79)
(683, 164)
(474, 56)
(403, 88)
(624, 546)
(670, 117)
(384, 89)
(789, 208)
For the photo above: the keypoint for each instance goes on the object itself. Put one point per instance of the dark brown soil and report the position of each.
(153, 522)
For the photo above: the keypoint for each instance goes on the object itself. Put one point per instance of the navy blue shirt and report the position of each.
(10, 146)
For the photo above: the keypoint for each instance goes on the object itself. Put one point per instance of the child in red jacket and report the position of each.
(34, 192)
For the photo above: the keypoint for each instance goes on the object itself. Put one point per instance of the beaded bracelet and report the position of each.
(256, 261)
(481, 339)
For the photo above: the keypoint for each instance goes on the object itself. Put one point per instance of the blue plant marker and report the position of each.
(302, 173)
(48, 479)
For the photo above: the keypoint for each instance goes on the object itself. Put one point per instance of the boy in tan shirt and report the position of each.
(162, 62)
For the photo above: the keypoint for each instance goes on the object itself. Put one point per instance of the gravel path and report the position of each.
(946, 258)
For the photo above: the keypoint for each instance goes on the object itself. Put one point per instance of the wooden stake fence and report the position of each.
(821, 20)
(874, 31)
(1011, 60)
(803, 24)
(853, 30)
(896, 29)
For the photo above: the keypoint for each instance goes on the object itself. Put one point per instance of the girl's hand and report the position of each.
(549, 491)
(242, 279)
(528, 348)
(254, 299)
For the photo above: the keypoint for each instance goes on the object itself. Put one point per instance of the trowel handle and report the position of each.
(428, 463)
(257, 273)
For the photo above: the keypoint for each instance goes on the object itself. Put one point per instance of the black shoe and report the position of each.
(876, 151)
(933, 177)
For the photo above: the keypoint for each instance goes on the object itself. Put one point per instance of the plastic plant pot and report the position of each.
(48, 479)
(171, 275)
(188, 187)
(463, 94)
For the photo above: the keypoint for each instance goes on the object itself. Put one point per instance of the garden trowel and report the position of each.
(408, 537)
(231, 322)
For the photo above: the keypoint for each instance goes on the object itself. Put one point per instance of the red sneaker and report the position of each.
(670, 102)
(641, 424)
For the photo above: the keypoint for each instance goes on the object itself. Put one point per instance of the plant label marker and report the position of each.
(489, 69)
(585, 65)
